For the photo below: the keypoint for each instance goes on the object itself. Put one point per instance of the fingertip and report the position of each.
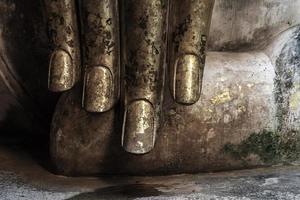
(188, 79)
(61, 75)
(138, 128)
(98, 89)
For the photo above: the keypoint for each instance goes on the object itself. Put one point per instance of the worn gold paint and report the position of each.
(221, 98)
(189, 28)
(61, 71)
(98, 89)
(187, 79)
(63, 31)
(144, 53)
(101, 47)
(139, 127)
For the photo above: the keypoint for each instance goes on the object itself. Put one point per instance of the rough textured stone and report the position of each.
(249, 97)
(25, 49)
(235, 124)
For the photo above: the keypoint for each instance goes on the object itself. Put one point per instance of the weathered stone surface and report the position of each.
(248, 114)
(239, 25)
(234, 125)
(247, 117)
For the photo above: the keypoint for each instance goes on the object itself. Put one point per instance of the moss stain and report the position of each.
(271, 147)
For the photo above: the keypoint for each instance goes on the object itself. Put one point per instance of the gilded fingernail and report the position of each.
(138, 128)
(98, 89)
(187, 83)
(61, 75)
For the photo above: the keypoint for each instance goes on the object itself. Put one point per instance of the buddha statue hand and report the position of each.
(118, 52)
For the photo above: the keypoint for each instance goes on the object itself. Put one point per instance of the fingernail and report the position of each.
(187, 83)
(61, 75)
(138, 128)
(98, 89)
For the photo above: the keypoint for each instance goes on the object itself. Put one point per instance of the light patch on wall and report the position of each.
(295, 101)
(222, 98)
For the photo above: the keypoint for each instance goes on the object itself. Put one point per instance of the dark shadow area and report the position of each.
(36, 146)
(123, 191)
(25, 48)
(24, 51)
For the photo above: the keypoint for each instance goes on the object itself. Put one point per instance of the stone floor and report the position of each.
(24, 174)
